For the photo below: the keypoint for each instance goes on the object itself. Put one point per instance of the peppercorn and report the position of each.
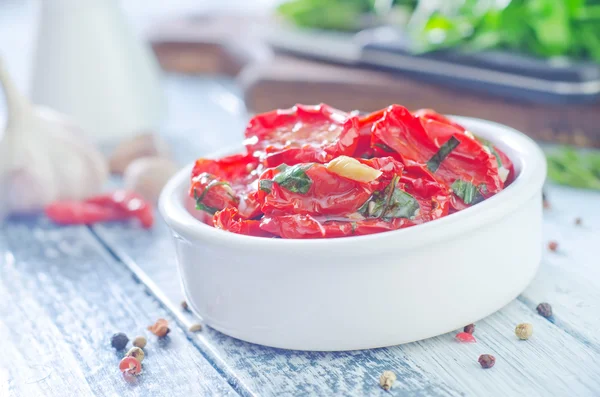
(544, 309)
(136, 353)
(140, 342)
(469, 329)
(524, 331)
(553, 246)
(130, 366)
(119, 341)
(545, 201)
(465, 337)
(578, 221)
(487, 361)
(195, 328)
(184, 306)
(160, 328)
(386, 380)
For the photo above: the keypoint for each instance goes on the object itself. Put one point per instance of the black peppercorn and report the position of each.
(544, 309)
(119, 341)
(487, 360)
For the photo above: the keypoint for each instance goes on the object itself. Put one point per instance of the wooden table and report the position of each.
(65, 290)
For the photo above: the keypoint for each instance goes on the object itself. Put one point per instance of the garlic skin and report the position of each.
(43, 157)
(144, 145)
(148, 175)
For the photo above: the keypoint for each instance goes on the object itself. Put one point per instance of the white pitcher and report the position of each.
(90, 65)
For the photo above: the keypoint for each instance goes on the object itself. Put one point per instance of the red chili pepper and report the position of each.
(468, 162)
(130, 204)
(301, 134)
(82, 213)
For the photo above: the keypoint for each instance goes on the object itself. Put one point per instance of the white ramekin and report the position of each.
(369, 291)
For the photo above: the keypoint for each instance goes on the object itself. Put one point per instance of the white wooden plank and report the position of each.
(570, 278)
(62, 297)
(552, 362)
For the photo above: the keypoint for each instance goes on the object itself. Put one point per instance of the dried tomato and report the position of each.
(459, 161)
(301, 134)
(502, 159)
(230, 219)
(227, 182)
(300, 226)
(314, 189)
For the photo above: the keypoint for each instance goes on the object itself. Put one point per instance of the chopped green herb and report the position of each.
(491, 148)
(265, 185)
(468, 192)
(434, 163)
(393, 203)
(384, 147)
(294, 178)
(578, 169)
(199, 198)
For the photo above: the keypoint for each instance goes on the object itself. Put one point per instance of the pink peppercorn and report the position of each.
(465, 337)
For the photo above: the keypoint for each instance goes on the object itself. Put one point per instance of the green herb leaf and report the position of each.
(199, 198)
(392, 203)
(492, 149)
(468, 192)
(434, 162)
(265, 185)
(572, 168)
(294, 178)
(384, 147)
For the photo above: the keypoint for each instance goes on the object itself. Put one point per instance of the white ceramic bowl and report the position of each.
(368, 291)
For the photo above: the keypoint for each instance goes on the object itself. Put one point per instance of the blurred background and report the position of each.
(121, 68)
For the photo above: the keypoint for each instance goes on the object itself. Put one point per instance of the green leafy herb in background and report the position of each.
(574, 168)
(343, 15)
(545, 28)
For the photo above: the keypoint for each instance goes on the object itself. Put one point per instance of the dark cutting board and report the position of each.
(229, 45)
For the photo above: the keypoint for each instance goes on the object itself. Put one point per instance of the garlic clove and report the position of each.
(351, 168)
(148, 175)
(144, 145)
(43, 157)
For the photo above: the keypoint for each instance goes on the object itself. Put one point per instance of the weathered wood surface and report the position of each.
(561, 359)
(62, 296)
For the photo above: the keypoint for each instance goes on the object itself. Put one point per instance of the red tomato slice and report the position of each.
(227, 182)
(327, 193)
(365, 126)
(431, 115)
(300, 226)
(413, 140)
(301, 134)
(230, 219)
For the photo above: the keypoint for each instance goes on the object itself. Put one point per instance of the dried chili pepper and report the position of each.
(131, 204)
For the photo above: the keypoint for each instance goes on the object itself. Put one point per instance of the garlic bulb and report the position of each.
(148, 175)
(43, 157)
(145, 145)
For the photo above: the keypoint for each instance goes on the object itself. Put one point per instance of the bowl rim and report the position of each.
(526, 155)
